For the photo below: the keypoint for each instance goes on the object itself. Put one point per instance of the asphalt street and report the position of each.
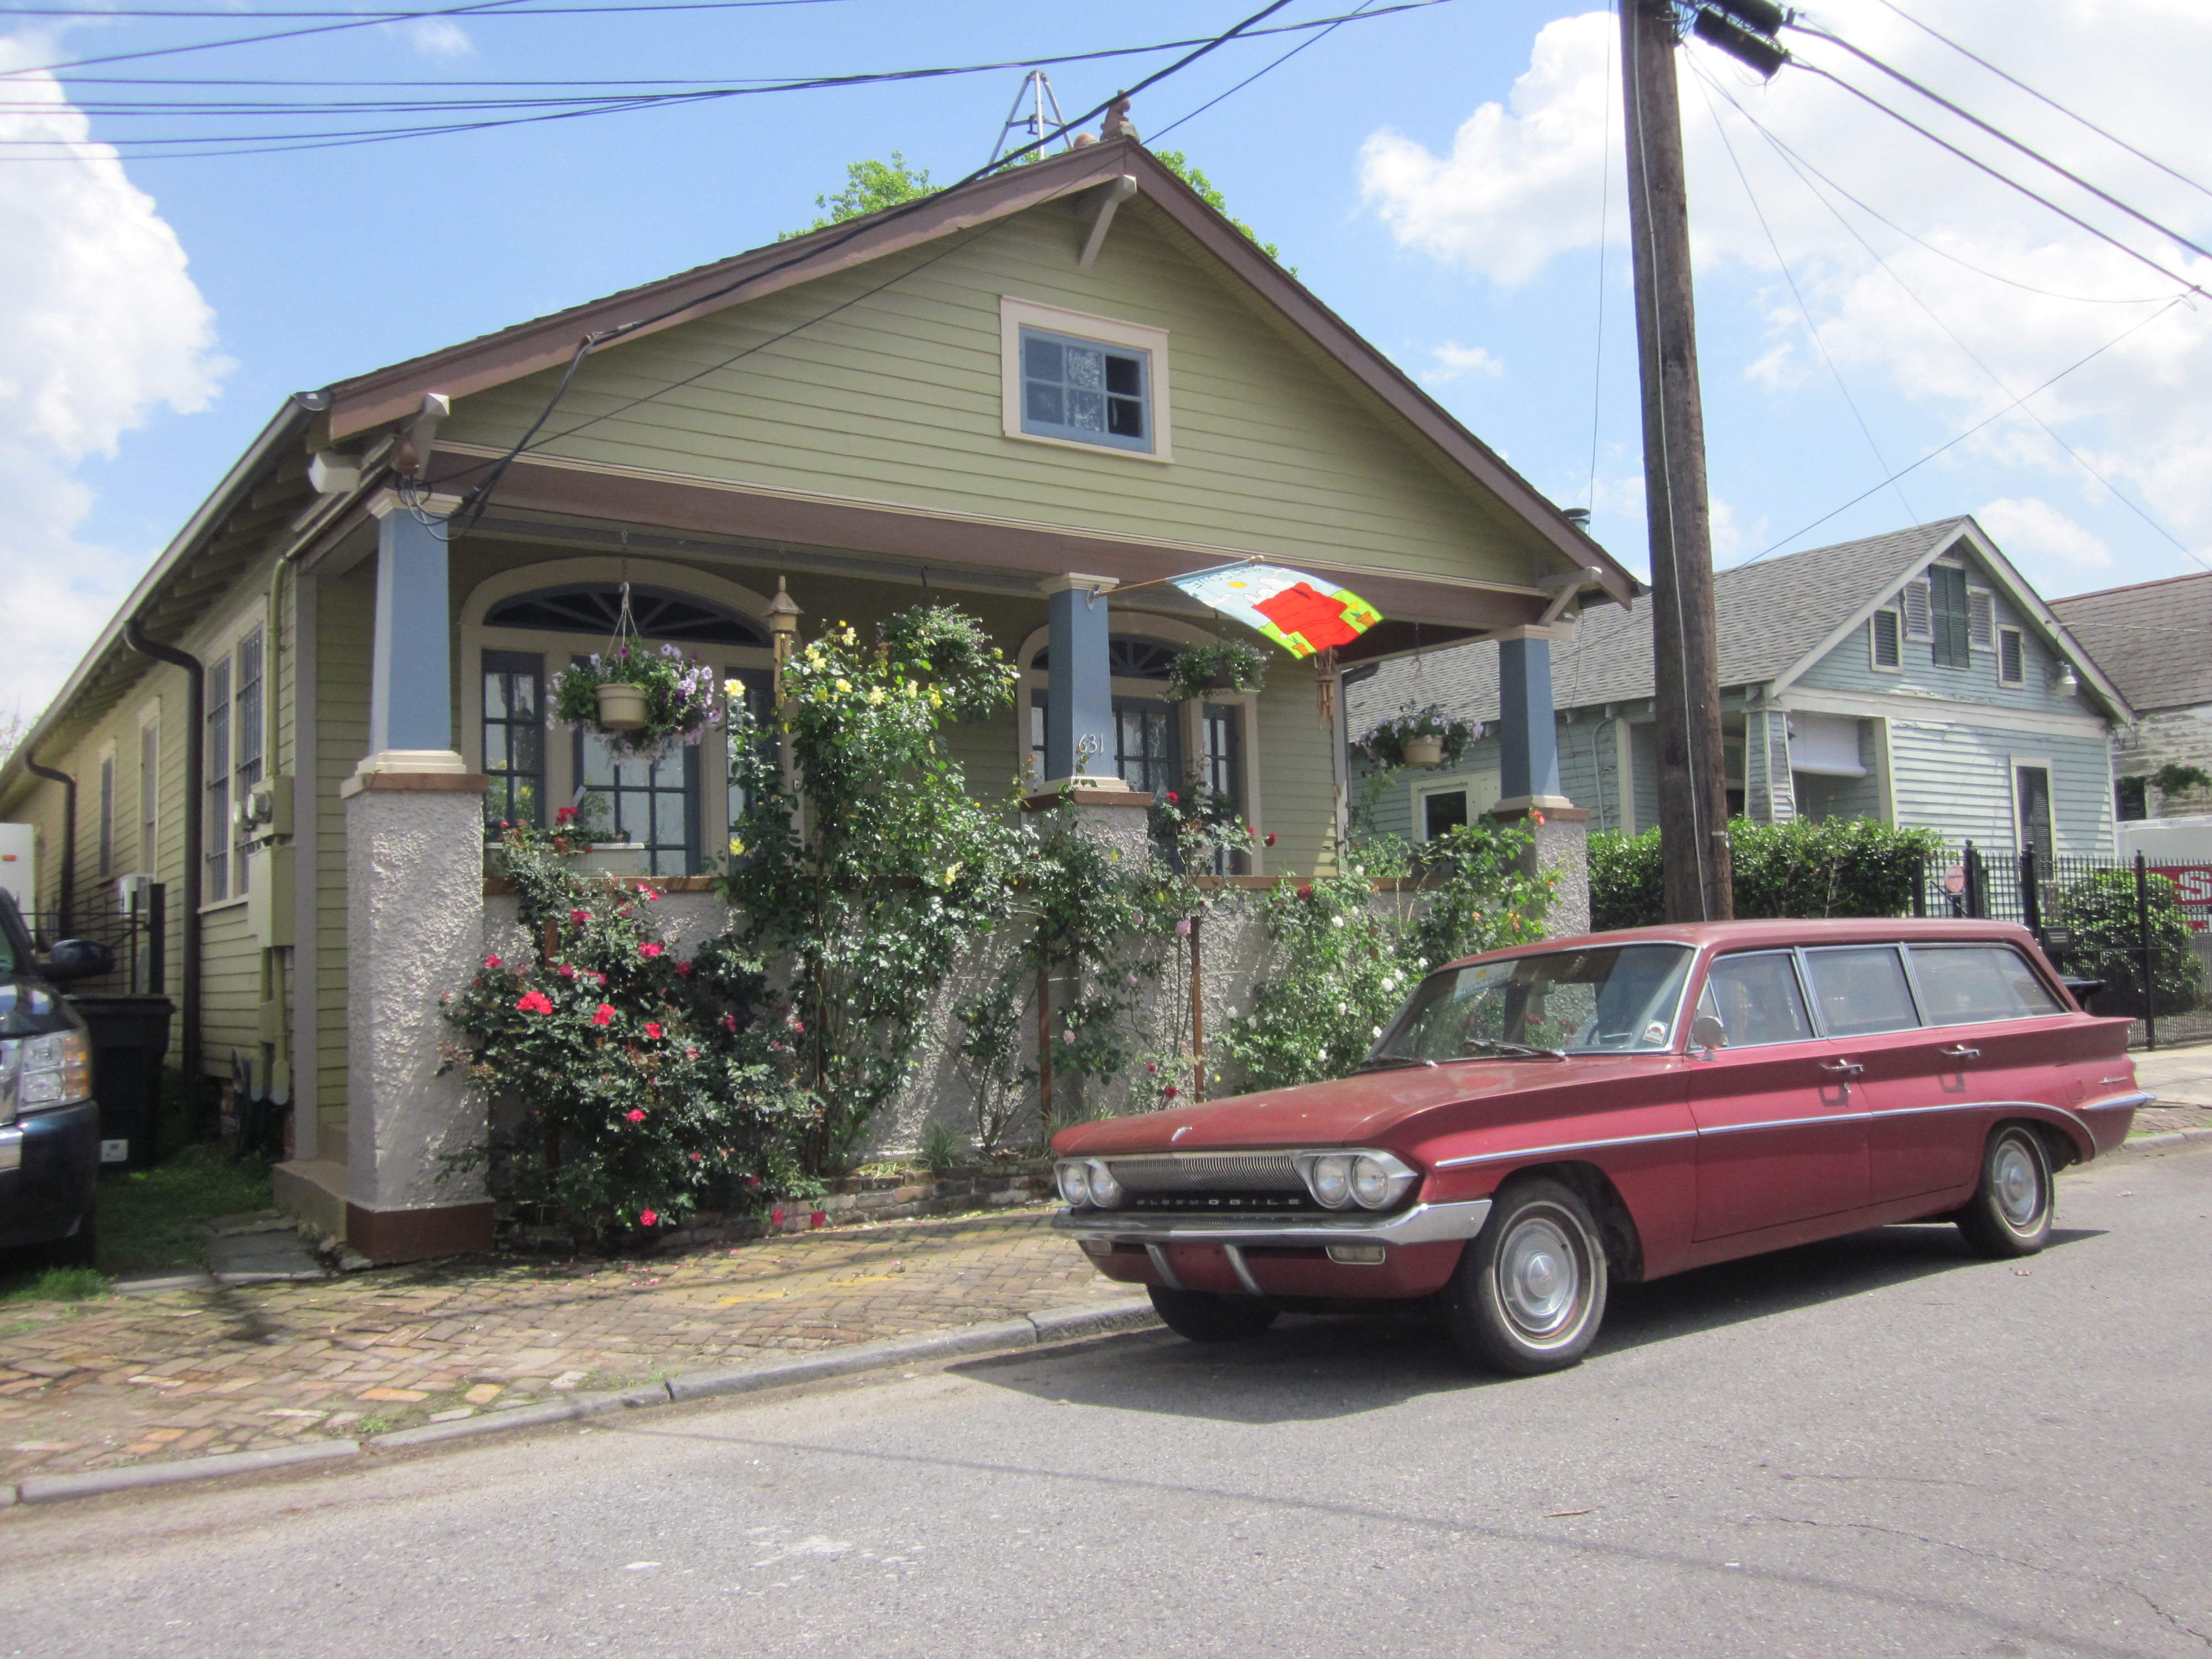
(1876, 1446)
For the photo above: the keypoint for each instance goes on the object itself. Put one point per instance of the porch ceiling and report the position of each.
(1446, 608)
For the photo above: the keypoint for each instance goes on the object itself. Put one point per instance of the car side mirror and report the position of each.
(78, 958)
(1707, 1033)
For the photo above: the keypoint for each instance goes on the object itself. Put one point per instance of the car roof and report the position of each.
(1770, 933)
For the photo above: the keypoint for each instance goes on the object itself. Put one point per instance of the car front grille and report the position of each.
(1213, 1183)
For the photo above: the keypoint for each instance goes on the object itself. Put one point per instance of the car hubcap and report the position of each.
(1539, 1276)
(2019, 1186)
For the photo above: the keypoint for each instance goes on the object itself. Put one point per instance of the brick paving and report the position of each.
(180, 1373)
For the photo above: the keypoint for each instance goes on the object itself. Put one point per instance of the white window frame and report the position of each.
(225, 651)
(2020, 638)
(1014, 315)
(1470, 784)
(1874, 655)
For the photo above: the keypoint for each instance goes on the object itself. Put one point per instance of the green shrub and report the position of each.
(2100, 909)
(1828, 867)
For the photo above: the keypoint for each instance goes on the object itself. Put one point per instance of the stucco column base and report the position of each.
(1119, 817)
(414, 932)
(1562, 848)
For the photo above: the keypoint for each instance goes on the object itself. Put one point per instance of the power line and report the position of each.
(1335, 24)
(2016, 402)
(1976, 121)
(2003, 178)
(2043, 98)
(249, 143)
(1792, 161)
(1804, 310)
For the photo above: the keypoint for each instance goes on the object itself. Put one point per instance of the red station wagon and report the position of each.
(1541, 1121)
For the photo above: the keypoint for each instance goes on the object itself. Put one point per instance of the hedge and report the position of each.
(1830, 867)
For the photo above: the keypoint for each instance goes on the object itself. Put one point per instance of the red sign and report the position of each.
(2192, 887)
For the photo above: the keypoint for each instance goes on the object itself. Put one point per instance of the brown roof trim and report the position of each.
(392, 393)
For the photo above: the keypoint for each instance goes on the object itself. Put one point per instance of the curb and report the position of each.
(1053, 1326)
(2166, 1138)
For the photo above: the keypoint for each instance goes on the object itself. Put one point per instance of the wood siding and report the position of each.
(345, 612)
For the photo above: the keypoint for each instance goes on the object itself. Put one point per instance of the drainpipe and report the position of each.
(68, 839)
(195, 767)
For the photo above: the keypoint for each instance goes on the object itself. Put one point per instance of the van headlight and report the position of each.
(49, 1071)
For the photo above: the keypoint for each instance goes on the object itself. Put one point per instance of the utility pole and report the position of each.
(1693, 796)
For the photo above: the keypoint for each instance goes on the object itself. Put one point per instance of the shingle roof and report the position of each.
(1768, 615)
(2153, 639)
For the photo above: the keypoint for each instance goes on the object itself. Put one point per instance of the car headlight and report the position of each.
(1379, 1180)
(1105, 1191)
(1074, 1177)
(53, 1070)
(1330, 1179)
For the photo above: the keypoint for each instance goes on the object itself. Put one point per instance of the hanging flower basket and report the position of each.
(638, 701)
(1225, 665)
(1420, 737)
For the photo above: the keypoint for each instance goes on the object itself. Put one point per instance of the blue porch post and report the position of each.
(1528, 766)
(410, 710)
(1079, 719)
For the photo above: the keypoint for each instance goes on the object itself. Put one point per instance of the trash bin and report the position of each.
(130, 1036)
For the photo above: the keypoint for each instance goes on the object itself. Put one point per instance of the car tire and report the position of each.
(1530, 1290)
(2011, 1212)
(1202, 1316)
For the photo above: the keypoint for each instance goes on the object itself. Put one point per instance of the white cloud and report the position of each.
(1453, 360)
(440, 37)
(1732, 541)
(2030, 528)
(1523, 182)
(99, 324)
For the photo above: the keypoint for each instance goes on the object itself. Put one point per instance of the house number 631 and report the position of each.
(1090, 743)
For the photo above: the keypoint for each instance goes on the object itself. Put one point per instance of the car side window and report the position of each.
(1861, 989)
(1962, 984)
(1756, 996)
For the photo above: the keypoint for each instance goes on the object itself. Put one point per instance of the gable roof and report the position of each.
(550, 342)
(1773, 620)
(2151, 637)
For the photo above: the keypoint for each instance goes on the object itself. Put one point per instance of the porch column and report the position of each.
(410, 682)
(1078, 721)
(1529, 778)
(415, 921)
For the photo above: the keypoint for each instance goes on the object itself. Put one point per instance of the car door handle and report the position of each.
(1843, 1067)
(1959, 1051)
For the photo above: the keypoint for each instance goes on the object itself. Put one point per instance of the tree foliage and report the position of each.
(870, 187)
(2102, 913)
(1180, 165)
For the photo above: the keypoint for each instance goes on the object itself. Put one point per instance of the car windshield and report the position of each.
(1612, 999)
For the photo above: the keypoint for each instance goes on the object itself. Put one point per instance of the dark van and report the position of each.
(49, 1121)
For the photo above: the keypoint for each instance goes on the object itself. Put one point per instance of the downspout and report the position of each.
(68, 903)
(195, 767)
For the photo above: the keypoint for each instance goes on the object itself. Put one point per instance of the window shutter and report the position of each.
(1888, 650)
(1919, 609)
(2011, 654)
(1981, 619)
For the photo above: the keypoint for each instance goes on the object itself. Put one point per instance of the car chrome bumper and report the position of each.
(1424, 1223)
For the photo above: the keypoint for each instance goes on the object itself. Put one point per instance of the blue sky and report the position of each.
(1438, 177)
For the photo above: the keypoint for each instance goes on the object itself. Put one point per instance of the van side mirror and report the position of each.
(78, 958)
(1707, 1033)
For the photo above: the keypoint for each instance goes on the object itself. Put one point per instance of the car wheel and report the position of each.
(1531, 1286)
(2010, 1213)
(1202, 1316)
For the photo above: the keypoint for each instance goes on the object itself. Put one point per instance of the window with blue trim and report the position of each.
(1085, 392)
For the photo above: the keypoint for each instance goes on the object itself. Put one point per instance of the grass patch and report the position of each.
(155, 1218)
(51, 1284)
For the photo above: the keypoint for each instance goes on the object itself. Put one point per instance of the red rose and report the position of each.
(730, 1022)
(1271, 838)
(491, 962)
(1169, 1092)
(579, 917)
(649, 1218)
(683, 969)
(634, 1115)
(567, 971)
(1305, 892)
(566, 815)
(605, 1016)
(652, 1029)
(817, 1220)
(534, 1002)
(776, 1216)
(796, 1027)
(650, 948)
(1174, 799)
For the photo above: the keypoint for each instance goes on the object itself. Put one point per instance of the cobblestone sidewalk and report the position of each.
(185, 1373)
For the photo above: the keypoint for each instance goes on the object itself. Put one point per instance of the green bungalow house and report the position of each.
(1914, 678)
(1023, 398)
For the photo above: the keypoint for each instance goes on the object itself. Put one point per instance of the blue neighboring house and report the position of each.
(1914, 678)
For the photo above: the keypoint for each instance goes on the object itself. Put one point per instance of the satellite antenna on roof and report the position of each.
(1027, 117)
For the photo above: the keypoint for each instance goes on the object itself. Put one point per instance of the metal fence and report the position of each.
(136, 929)
(2147, 937)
